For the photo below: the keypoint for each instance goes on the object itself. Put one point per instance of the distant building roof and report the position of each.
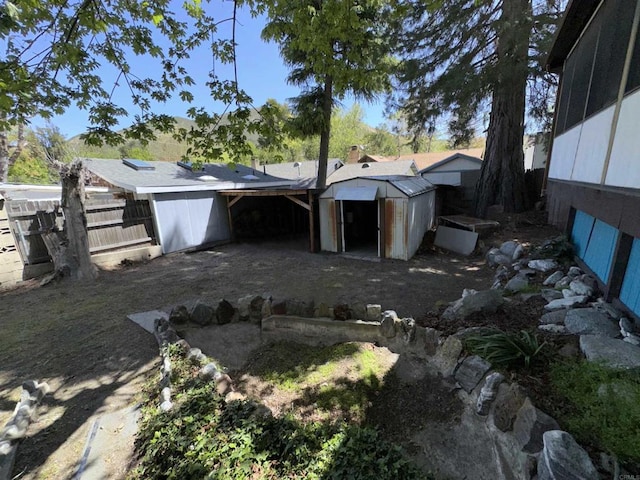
(300, 170)
(35, 193)
(409, 185)
(453, 157)
(424, 160)
(171, 177)
(373, 169)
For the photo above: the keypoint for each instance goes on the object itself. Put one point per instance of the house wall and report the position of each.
(594, 175)
(188, 220)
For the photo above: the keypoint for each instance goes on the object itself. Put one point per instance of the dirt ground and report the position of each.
(75, 336)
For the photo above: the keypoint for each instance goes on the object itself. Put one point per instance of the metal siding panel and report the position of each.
(630, 292)
(592, 148)
(563, 155)
(581, 232)
(328, 225)
(173, 222)
(623, 168)
(601, 248)
(356, 193)
(208, 218)
(399, 218)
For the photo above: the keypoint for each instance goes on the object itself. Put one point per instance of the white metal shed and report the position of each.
(385, 216)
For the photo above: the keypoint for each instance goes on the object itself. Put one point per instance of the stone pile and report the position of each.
(166, 335)
(16, 428)
(254, 308)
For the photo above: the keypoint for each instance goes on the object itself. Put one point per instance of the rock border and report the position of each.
(16, 428)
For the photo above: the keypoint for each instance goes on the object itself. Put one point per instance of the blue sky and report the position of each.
(261, 73)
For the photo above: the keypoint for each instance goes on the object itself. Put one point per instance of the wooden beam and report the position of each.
(229, 200)
(299, 202)
(261, 193)
(312, 236)
(233, 201)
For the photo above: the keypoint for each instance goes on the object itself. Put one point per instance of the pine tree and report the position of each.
(462, 57)
(333, 47)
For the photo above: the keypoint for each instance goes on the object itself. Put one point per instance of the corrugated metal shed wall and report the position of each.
(190, 219)
(421, 217)
(328, 225)
(396, 228)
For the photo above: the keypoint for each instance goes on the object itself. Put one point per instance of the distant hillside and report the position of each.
(164, 148)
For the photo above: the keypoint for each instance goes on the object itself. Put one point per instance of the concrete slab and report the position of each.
(109, 436)
(146, 319)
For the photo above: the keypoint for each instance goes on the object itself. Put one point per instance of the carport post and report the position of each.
(312, 243)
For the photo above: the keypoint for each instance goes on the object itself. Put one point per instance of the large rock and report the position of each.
(563, 282)
(566, 302)
(581, 288)
(488, 301)
(553, 278)
(407, 328)
(575, 272)
(563, 459)
(530, 425)
(553, 318)
(374, 313)
(507, 404)
(225, 312)
(430, 338)
(508, 248)
(495, 257)
(589, 321)
(517, 284)
(388, 323)
(202, 314)
(179, 315)
(488, 393)
(471, 371)
(550, 294)
(446, 358)
(543, 265)
(358, 311)
(613, 352)
(300, 308)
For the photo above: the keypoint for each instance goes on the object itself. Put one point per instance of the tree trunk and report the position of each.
(69, 249)
(502, 176)
(327, 106)
(7, 159)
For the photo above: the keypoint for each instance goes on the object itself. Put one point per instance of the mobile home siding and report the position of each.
(630, 293)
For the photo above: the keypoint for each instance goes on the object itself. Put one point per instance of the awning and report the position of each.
(357, 193)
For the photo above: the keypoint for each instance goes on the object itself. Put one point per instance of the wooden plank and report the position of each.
(298, 202)
(581, 232)
(233, 201)
(261, 193)
(119, 245)
(312, 240)
(599, 254)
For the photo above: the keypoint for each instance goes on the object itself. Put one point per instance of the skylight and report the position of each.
(250, 177)
(137, 164)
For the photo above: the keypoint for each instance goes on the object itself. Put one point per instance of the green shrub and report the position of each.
(559, 248)
(504, 349)
(204, 437)
(604, 406)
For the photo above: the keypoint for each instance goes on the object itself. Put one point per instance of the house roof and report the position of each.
(373, 169)
(424, 160)
(575, 19)
(171, 177)
(450, 159)
(300, 170)
(34, 193)
(409, 185)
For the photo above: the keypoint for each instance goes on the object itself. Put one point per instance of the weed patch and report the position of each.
(206, 437)
(604, 406)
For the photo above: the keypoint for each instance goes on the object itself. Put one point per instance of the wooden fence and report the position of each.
(113, 224)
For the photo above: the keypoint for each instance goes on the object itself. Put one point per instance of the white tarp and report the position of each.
(357, 193)
(456, 240)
